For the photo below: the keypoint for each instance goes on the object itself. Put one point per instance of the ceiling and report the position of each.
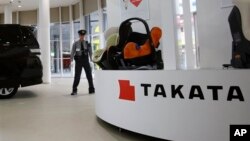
(33, 4)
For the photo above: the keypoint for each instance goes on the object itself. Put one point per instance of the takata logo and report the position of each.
(193, 92)
(127, 92)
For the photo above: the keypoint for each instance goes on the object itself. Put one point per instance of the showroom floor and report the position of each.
(49, 113)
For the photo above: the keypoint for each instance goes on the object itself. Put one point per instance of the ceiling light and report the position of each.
(19, 4)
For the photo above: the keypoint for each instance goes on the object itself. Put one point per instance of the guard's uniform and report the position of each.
(81, 51)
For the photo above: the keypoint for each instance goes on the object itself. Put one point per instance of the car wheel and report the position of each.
(7, 92)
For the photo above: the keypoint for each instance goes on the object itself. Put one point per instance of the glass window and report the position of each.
(60, 49)
(76, 29)
(95, 32)
(55, 57)
(55, 49)
(94, 23)
(181, 58)
(93, 26)
(181, 43)
(105, 21)
(66, 46)
(66, 31)
(55, 31)
(195, 32)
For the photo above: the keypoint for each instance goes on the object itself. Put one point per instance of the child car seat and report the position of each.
(240, 45)
(136, 50)
(100, 56)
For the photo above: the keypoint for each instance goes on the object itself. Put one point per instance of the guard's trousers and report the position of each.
(82, 62)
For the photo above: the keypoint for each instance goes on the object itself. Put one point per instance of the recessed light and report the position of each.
(19, 4)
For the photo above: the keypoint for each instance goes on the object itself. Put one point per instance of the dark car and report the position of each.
(20, 65)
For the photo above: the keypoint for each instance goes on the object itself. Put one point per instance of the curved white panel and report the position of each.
(176, 105)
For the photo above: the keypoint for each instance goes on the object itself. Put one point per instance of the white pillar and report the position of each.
(72, 35)
(60, 52)
(72, 38)
(114, 13)
(82, 20)
(190, 56)
(8, 14)
(169, 43)
(100, 13)
(44, 38)
(17, 17)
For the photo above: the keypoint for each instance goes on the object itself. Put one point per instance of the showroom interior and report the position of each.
(196, 89)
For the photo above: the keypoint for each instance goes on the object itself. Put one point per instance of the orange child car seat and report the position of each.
(133, 50)
(136, 49)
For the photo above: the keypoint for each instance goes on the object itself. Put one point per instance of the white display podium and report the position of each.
(192, 105)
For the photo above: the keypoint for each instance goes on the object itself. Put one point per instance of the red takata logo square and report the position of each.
(136, 3)
(127, 91)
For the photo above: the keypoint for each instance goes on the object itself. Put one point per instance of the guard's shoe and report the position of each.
(74, 93)
(91, 90)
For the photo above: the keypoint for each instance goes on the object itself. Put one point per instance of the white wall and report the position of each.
(8, 14)
(160, 15)
(113, 13)
(214, 34)
(174, 118)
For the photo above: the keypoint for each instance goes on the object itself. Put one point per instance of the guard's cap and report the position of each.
(82, 32)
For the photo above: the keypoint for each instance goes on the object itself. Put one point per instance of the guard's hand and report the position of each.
(72, 64)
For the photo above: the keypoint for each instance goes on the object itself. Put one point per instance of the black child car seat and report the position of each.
(136, 50)
(240, 45)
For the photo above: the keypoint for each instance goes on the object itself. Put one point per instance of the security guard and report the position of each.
(81, 52)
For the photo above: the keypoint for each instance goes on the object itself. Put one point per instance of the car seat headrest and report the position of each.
(110, 31)
(124, 31)
(111, 41)
(156, 34)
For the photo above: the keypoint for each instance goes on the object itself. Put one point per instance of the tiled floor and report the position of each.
(49, 113)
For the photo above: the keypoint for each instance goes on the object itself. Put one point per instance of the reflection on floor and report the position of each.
(49, 113)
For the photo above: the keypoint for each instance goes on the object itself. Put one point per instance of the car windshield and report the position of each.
(10, 35)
